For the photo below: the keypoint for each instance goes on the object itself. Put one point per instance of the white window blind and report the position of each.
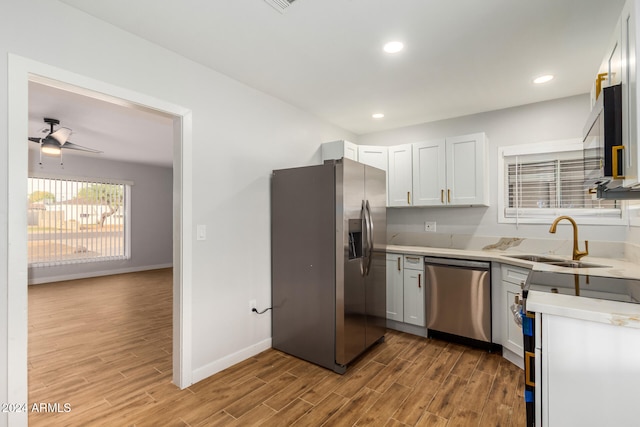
(551, 184)
(73, 221)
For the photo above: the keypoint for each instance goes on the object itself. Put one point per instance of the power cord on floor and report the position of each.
(255, 310)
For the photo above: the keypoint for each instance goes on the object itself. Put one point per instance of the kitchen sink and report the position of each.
(535, 258)
(576, 264)
(556, 261)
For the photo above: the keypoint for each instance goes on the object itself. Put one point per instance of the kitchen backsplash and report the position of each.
(560, 247)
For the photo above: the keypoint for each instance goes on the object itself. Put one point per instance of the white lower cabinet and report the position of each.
(395, 287)
(414, 290)
(589, 372)
(405, 292)
(512, 339)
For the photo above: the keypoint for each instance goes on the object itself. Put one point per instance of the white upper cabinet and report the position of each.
(338, 149)
(400, 177)
(373, 156)
(628, 33)
(611, 68)
(619, 67)
(429, 173)
(451, 172)
(467, 181)
(444, 172)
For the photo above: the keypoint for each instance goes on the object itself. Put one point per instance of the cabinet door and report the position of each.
(400, 176)
(338, 149)
(395, 291)
(589, 372)
(466, 161)
(373, 156)
(414, 297)
(513, 339)
(630, 100)
(429, 174)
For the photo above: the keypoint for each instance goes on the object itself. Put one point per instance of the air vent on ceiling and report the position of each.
(280, 5)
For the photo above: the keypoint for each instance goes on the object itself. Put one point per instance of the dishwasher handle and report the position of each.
(458, 263)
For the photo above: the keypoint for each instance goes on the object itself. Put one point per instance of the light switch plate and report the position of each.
(430, 226)
(201, 232)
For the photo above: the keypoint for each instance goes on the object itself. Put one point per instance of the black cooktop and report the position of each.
(588, 286)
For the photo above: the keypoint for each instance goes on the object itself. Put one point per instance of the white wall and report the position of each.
(239, 135)
(545, 121)
(151, 215)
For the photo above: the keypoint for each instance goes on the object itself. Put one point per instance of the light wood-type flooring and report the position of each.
(103, 346)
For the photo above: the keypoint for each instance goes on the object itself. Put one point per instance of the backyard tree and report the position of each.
(110, 195)
(41, 196)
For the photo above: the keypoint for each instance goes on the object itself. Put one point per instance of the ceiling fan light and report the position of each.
(50, 148)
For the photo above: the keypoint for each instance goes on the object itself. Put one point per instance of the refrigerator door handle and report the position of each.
(369, 237)
(363, 220)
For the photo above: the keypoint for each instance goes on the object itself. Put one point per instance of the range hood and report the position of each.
(603, 191)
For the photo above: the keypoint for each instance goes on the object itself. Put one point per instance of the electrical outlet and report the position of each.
(252, 304)
(430, 226)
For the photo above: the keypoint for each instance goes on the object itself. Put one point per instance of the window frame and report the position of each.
(127, 186)
(535, 216)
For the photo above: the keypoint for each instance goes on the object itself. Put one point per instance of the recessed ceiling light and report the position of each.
(393, 47)
(377, 115)
(543, 79)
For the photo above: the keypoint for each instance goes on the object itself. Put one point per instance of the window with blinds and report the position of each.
(73, 221)
(548, 184)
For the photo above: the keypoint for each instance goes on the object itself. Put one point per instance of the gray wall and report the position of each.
(545, 121)
(151, 215)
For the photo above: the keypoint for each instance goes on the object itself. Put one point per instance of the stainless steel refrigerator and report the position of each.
(328, 237)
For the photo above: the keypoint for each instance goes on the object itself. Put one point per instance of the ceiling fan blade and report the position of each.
(73, 146)
(61, 135)
(32, 139)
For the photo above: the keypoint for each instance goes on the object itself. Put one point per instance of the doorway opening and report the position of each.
(22, 71)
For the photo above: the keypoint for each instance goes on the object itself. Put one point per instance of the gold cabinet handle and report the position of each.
(448, 196)
(529, 359)
(408, 197)
(601, 77)
(615, 165)
(398, 263)
(414, 258)
(442, 196)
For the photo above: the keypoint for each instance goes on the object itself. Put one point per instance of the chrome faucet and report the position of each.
(577, 254)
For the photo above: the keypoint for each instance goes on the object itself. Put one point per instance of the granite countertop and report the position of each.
(592, 309)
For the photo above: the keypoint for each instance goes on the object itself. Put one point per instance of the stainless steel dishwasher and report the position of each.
(458, 298)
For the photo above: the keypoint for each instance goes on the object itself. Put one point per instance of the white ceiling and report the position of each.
(324, 56)
(122, 132)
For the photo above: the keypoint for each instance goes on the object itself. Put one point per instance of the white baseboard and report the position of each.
(230, 360)
(512, 357)
(89, 274)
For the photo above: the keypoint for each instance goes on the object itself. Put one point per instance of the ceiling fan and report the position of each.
(53, 143)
